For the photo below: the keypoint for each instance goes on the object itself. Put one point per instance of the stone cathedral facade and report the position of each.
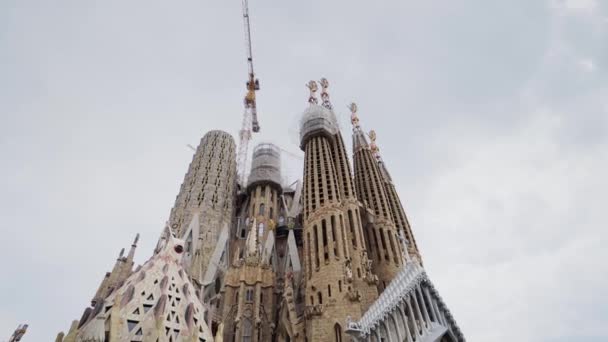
(330, 257)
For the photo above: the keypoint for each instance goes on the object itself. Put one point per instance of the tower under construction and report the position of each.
(328, 257)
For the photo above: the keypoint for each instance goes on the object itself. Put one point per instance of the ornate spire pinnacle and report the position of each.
(132, 251)
(373, 147)
(324, 94)
(312, 86)
(354, 118)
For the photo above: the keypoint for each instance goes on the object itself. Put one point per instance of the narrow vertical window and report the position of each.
(333, 236)
(392, 244)
(324, 237)
(337, 333)
(383, 241)
(309, 255)
(343, 236)
(352, 228)
(316, 241)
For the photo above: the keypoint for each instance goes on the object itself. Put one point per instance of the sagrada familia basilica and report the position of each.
(329, 258)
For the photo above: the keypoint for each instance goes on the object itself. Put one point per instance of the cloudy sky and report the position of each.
(491, 115)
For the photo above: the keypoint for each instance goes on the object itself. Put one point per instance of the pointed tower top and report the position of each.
(359, 139)
(324, 94)
(373, 147)
(354, 118)
(136, 239)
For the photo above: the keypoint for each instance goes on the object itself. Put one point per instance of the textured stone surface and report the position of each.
(208, 189)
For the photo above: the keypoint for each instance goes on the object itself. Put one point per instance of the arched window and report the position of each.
(320, 297)
(270, 212)
(261, 211)
(337, 333)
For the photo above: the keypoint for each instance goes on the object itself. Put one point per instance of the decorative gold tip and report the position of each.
(354, 119)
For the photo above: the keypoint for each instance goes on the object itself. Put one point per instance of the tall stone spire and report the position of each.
(337, 283)
(395, 204)
(382, 234)
(208, 190)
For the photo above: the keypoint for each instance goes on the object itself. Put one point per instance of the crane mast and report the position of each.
(250, 118)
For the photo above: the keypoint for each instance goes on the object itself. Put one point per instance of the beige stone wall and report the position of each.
(249, 303)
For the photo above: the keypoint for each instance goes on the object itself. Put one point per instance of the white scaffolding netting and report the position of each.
(317, 119)
(266, 164)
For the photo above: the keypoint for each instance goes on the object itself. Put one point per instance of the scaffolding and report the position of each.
(317, 120)
(265, 164)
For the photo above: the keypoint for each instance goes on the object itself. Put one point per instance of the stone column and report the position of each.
(424, 309)
(392, 315)
(413, 317)
(418, 311)
(388, 333)
(405, 323)
(430, 300)
(377, 335)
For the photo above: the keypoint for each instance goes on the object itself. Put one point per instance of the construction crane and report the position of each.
(250, 117)
(19, 332)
